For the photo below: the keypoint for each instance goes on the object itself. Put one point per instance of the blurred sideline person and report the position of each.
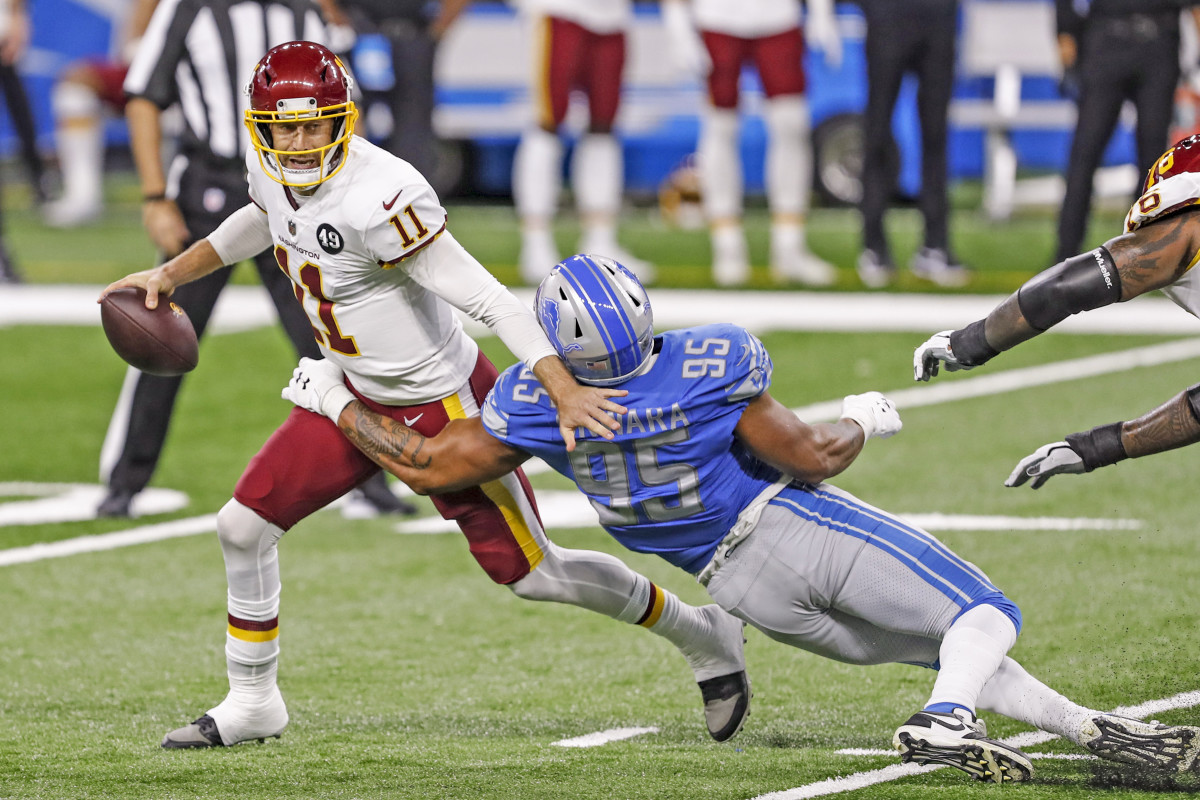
(413, 29)
(1115, 50)
(363, 238)
(1158, 250)
(79, 99)
(920, 41)
(579, 45)
(767, 33)
(14, 40)
(204, 185)
(717, 477)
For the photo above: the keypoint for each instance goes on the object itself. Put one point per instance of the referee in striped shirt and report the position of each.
(199, 54)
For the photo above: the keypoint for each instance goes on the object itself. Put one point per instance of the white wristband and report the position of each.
(335, 400)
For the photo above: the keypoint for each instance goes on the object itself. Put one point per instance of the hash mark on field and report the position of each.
(861, 780)
(109, 541)
(603, 737)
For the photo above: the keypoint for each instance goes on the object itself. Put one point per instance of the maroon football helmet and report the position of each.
(298, 81)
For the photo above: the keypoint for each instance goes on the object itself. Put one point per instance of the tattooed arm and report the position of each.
(1132, 264)
(462, 455)
(1173, 424)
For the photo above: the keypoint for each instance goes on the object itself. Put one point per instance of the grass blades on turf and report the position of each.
(409, 675)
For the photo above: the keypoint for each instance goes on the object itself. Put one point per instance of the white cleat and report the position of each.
(960, 740)
(231, 723)
(66, 213)
(538, 256)
(799, 265)
(1143, 744)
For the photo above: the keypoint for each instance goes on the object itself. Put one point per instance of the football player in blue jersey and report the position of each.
(712, 473)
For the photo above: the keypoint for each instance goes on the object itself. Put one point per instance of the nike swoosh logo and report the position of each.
(388, 205)
(413, 421)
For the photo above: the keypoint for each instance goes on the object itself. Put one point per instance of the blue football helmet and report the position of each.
(596, 314)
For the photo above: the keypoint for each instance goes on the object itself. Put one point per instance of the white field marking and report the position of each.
(860, 780)
(867, 751)
(109, 541)
(603, 737)
(562, 510)
(1024, 378)
(72, 502)
(247, 307)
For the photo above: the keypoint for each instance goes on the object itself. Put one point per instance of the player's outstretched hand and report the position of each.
(875, 414)
(588, 407)
(1056, 458)
(318, 385)
(934, 352)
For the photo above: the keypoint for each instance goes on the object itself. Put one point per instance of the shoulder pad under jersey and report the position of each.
(1172, 185)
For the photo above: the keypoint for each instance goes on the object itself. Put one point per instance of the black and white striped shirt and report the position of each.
(201, 54)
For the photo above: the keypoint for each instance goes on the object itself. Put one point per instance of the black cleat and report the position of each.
(726, 704)
(376, 492)
(960, 740)
(116, 503)
(201, 733)
(1143, 744)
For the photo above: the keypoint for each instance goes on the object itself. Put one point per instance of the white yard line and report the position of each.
(109, 541)
(860, 780)
(965, 387)
(604, 737)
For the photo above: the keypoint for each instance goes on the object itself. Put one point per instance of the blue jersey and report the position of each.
(675, 478)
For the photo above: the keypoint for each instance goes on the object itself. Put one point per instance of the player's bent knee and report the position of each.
(545, 582)
(241, 528)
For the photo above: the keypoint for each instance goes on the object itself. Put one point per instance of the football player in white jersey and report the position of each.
(1158, 250)
(579, 45)
(711, 473)
(768, 33)
(364, 239)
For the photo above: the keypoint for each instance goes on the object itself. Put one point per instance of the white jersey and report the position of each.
(354, 251)
(746, 19)
(1171, 187)
(598, 16)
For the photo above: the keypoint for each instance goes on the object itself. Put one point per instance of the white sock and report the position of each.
(789, 164)
(250, 547)
(1018, 695)
(970, 654)
(720, 165)
(79, 140)
(597, 175)
(537, 171)
(604, 584)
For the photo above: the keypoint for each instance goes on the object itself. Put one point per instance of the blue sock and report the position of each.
(945, 708)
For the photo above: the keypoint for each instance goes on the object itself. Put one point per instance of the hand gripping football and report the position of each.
(158, 341)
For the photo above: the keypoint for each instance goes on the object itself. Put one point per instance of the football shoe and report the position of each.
(719, 665)
(1144, 744)
(232, 723)
(726, 704)
(875, 270)
(937, 265)
(960, 740)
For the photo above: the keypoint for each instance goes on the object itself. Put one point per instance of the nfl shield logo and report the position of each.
(291, 227)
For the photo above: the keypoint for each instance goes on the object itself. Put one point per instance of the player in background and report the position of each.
(79, 99)
(578, 45)
(363, 237)
(710, 472)
(1158, 250)
(768, 33)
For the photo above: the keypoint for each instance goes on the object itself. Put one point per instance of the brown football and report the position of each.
(161, 341)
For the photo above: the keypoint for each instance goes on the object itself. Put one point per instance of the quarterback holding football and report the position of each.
(363, 238)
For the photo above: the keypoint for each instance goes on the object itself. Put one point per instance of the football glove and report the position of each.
(874, 413)
(318, 385)
(1056, 458)
(933, 353)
